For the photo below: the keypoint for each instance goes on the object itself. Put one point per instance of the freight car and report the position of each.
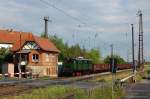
(124, 66)
(80, 66)
(97, 68)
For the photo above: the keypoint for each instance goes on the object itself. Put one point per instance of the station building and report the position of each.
(31, 52)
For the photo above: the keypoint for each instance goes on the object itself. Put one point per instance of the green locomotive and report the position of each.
(76, 66)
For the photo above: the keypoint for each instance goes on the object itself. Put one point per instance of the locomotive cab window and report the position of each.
(35, 57)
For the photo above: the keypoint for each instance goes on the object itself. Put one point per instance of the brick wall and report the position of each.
(47, 64)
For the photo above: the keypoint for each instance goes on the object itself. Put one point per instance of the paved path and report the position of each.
(138, 91)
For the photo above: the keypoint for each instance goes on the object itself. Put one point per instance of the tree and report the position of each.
(42, 35)
(2, 55)
(120, 60)
(63, 47)
(74, 50)
(5, 56)
(94, 55)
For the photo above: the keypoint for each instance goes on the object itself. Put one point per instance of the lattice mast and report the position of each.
(140, 53)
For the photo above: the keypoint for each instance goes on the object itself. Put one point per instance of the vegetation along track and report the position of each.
(9, 90)
(28, 85)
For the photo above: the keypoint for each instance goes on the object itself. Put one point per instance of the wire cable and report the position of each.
(62, 11)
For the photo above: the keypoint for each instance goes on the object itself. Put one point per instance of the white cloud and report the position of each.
(110, 18)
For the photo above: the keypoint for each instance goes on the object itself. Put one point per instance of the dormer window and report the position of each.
(35, 57)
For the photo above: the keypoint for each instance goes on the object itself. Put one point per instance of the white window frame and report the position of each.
(35, 57)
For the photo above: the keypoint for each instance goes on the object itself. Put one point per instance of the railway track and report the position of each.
(9, 90)
(60, 81)
(16, 87)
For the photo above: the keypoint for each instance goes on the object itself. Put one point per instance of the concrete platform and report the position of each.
(138, 91)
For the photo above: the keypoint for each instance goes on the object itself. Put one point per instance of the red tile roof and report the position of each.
(19, 38)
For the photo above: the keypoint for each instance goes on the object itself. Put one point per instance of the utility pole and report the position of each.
(128, 55)
(133, 60)
(112, 51)
(112, 57)
(19, 64)
(46, 19)
(140, 53)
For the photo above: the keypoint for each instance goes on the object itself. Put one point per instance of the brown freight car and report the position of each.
(100, 68)
(106, 67)
(124, 66)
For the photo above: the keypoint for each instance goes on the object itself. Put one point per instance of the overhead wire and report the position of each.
(62, 11)
(82, 23)
(67, 14)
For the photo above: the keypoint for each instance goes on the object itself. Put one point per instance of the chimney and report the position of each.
(11, 30)
(46, 19)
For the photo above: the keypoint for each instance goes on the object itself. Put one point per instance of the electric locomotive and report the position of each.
(76, 66)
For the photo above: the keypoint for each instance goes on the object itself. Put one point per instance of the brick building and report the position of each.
(31, 52)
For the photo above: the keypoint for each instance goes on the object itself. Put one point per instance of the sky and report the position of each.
(91, 23)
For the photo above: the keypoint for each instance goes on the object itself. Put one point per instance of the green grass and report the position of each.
(55, 92)
(108, 78)
(147, 66)
(140, 76)
(44, 78)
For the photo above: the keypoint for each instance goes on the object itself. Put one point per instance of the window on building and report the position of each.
(35, 57)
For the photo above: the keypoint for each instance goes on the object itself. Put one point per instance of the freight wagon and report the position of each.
(97, 68)
(80, 66)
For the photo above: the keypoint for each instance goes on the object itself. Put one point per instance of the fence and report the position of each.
(27, 74)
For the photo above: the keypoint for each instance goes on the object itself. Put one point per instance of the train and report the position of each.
(81, 66)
